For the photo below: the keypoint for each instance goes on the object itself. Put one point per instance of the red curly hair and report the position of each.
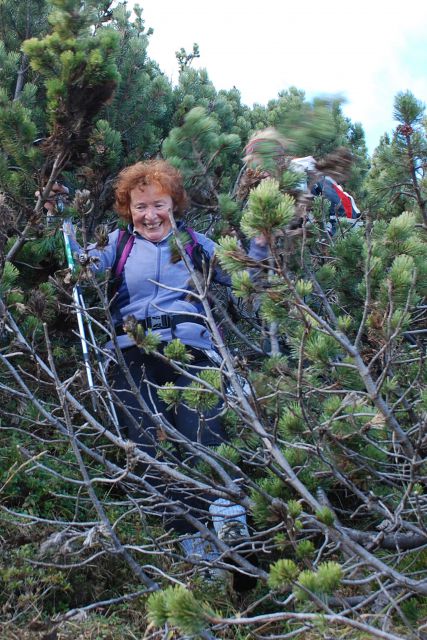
(141, 174)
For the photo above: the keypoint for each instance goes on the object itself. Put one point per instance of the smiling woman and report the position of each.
(153, 295)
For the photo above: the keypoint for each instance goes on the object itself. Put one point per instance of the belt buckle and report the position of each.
(157, 322)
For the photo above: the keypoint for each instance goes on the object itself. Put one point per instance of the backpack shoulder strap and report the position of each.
(196, 252)
(192, 243)
(124, 246)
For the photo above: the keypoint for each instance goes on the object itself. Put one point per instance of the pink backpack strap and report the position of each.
(124, 247)
(189, 246)
(125, 242)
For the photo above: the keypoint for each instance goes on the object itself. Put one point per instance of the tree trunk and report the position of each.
(21, 76)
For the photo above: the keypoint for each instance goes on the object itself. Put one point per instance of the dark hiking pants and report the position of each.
(207, 430)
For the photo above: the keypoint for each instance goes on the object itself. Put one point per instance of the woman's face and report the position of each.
(149, 208)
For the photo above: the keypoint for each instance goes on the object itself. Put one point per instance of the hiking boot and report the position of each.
(215, 576)
(234, 533)
(196, 548)
(229, 521)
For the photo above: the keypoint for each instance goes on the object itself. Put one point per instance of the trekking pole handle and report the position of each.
(67, 227)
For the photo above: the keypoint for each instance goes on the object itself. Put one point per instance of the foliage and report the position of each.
(177, 606)
(199, 150)
(397, 179)
(325, 580)
(80, 71)
(321, 375)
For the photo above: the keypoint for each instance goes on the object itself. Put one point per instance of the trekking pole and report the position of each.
(100, 366)
(80, 310)
(78, 297)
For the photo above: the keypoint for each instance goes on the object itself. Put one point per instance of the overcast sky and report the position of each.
(365, 51)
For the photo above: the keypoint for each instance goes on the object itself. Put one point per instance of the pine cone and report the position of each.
(405, 130)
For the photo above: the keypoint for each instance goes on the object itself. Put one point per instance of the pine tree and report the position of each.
(195, 89)
(201, 152)
(137, 118)
(18, 22)
(79, 75)
(397, 179)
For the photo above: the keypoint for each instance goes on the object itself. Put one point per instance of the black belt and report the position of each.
(163, 322)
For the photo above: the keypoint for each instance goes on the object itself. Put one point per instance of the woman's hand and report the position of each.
(51, 204)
